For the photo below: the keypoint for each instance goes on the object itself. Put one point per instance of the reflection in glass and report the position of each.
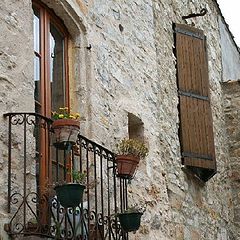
(37, 58)
(57, 74)
(36, 69)
(37, 78)
(36, 30)
(58, 99)
(58, 165)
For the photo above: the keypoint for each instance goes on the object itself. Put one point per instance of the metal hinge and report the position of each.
(193, 95)
(197, 156)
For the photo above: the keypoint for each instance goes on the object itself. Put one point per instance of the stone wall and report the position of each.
(232, 109)
(131, 69)
(17, 90)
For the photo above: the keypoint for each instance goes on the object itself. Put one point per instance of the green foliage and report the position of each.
(135, 209)
(132, 147)
(79, 177)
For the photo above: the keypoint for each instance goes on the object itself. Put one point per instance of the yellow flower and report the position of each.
(77, 115)
(64, 113)
(63, 108)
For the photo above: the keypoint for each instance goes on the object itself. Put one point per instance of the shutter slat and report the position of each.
(202, 128)
(196, 134)
(196, 127)
(197, 46)
(185, 141)
(204, 69)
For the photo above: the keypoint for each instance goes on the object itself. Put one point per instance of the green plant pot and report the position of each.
(70, 194)
(130, 221)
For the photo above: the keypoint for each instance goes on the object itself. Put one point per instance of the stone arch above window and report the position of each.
(71, 14)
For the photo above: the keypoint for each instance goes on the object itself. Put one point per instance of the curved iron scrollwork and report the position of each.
(29, 118)
(70, 223)
(25, 219)
(36, 212)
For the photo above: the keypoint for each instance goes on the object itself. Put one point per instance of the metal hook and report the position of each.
(89, 47)
(192, 15)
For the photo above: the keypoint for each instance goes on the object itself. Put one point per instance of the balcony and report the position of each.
(35, 166)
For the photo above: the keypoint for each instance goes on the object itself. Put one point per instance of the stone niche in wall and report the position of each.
(135, 127)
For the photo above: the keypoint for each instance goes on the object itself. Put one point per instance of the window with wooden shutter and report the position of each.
(196, 125)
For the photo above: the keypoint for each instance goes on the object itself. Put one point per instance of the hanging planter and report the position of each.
(126, 165)
(66, 128)
(130, 151)
(130, 221)
(65, 131)
(71, 194)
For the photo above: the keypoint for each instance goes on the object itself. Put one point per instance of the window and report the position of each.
(51, 87)
(50, 62)
(196, 126)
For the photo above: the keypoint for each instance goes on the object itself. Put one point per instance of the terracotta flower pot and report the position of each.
(65, 132)
(126, 165)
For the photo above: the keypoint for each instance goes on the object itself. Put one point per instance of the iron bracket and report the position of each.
(202, 13)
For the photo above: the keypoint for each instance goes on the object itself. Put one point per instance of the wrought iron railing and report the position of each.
(35, 166)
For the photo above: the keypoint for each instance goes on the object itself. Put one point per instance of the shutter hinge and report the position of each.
(198, 156)
(193, 95)
(189, 33)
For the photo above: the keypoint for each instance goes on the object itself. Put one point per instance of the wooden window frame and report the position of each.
(47, 16)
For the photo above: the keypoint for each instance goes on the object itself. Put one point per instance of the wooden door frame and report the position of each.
(47, 16)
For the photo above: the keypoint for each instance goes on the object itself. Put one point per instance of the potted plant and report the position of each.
(130, 219)
(66, 127)
(129, 153)
(70, 194)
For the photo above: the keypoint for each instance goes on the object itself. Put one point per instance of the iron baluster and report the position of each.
(105, 194)
(24, 170)
(102, 192)
(9, 160)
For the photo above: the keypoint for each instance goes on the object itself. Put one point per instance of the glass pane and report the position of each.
(37, 78)
(57, 68)
(36, 37)
(58, 165)
(36, 30)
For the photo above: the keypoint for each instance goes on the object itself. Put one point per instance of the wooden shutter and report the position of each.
(196, 126)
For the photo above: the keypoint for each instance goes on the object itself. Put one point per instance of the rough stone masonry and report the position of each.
(130, 68)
